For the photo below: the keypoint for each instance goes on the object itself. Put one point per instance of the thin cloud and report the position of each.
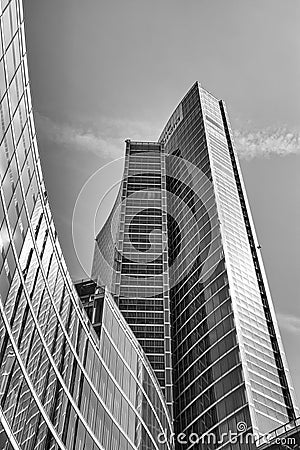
(265, 143)
(105, 137)
(107, 143)
(289, 323)
(75, 138)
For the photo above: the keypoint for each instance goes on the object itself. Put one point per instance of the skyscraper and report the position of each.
(63, 384)
(139, 282)
(180, 257)
(179, 251)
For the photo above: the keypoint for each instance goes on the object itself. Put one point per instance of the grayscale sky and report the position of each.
(103, 71)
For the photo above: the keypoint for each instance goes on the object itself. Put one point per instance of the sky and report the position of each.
(104, 71)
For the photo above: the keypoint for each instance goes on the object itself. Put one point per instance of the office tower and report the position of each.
(282, 438)
(179, 248)
(63, 385)
(141, 287)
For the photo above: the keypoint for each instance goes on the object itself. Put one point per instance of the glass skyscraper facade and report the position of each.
(282, 438)
(64, 384)
(136, 265)
(178, 326)
(179, 249)
(228, 362)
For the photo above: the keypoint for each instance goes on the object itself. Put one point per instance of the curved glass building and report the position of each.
(185, 329)
(64, 384)
(181, 253)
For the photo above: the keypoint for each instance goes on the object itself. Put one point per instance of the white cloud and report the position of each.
(289, 323)
(266, 142)
(107, 143)
(105, 137)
